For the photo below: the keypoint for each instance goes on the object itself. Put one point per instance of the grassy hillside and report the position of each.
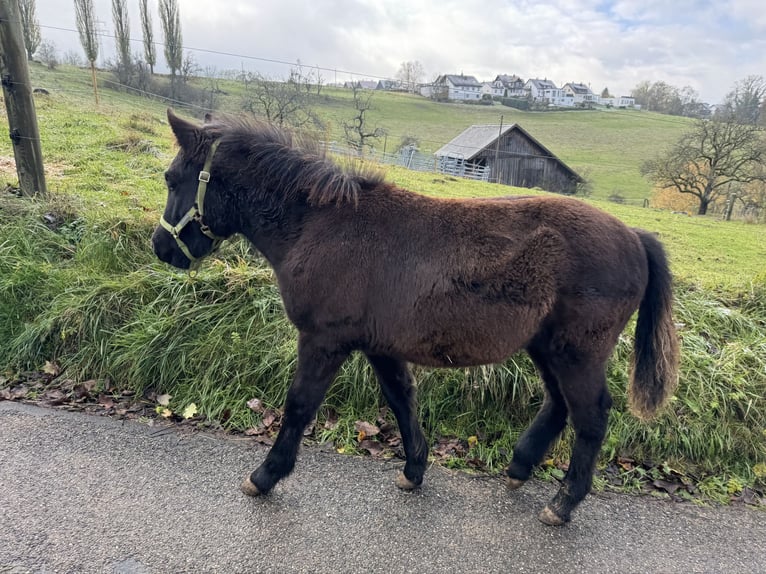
(80, 288)
(605, 146)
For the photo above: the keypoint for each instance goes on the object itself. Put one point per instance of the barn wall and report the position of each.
(521, 163)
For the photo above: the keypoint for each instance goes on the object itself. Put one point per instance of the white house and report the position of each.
(508, 86)
(546, 91)
(580, 94)
(620, 102)
(454, 87)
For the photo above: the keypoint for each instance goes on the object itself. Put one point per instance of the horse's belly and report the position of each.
(466, 345)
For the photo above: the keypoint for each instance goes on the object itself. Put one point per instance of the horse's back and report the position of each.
(459, 282)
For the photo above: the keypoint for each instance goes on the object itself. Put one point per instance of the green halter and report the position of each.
(195, 213)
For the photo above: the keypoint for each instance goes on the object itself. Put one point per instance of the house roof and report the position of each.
(578, 88)
(477, 138)
(462, 81)
(542, 84)
(507, 80)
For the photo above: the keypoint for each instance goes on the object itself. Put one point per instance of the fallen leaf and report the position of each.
(106, 400)
(19, 392)
(51, 368)
(53, 397)
(365, 429)
(164, 400)
(189, 411)
(332, 420)
(371, 446)
(166, 412)
(472, 441)
(269, 416)
(669, 487)
(255, 405)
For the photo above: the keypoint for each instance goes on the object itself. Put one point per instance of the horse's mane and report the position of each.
(296, 164)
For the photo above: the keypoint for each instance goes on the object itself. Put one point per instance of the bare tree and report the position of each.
(150, 54)
(745, 102)
(48, 55)
(285, 103)
(171, 27)
(122, 38)
(189, 67)
(30, 26)
(358, 133)
(708, 161)
(410, 74)
(85, 15)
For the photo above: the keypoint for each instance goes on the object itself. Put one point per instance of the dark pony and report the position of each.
(364, 265)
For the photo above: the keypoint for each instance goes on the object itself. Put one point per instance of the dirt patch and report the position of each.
(8, 168)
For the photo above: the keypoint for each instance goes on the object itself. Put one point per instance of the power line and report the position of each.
(233, 55)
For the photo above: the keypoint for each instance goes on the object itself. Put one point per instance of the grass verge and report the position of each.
(87, 295)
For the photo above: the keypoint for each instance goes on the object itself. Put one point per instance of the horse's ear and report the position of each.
(186, 133)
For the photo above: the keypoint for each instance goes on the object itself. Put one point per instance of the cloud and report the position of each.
(616, 43)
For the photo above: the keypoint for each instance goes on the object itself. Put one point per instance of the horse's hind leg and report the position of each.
(549, 422)
(317, 365)
(588, 400)
(396, 382)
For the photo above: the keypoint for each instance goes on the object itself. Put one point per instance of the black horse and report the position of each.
(366, 266)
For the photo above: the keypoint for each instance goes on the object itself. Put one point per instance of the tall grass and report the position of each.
(96, 302)
(80, 286)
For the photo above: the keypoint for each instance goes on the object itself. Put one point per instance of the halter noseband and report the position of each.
(195, 213)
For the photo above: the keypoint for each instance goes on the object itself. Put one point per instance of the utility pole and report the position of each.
(17, 90)
(497, 151)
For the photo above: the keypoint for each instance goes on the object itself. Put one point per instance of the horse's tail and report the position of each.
(655, 362)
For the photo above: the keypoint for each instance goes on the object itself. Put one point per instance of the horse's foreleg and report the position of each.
(317, 365)
(396, 383)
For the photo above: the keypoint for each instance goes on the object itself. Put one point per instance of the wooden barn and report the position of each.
(510, 155)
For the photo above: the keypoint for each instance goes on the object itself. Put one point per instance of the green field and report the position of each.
(604, 146)
(80, 288)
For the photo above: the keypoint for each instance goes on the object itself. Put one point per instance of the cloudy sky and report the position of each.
(707, 45)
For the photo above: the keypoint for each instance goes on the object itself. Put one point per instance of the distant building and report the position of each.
(580, 94)
(506, 86)
(620, 102)
(362, 84)
(545, 91)
(453, 87)
(512, 155)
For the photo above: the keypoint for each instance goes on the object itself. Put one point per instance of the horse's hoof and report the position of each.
(404, 483)
(513, 483)
(249, 488)
(547, 516)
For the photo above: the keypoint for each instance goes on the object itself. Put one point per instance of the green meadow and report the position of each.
(80, 288)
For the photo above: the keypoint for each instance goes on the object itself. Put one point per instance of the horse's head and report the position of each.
(187, 231)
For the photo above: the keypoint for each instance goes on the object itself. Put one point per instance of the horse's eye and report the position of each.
(169, 182)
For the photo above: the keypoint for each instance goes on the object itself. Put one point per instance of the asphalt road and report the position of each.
(80, 493)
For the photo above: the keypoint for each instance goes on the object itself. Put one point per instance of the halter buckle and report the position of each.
(204, 176)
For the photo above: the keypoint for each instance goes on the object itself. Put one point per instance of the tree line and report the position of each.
(133, 70)
(721, 157)
(744, 102)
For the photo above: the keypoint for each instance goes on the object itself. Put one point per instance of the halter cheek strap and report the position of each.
(195, 213)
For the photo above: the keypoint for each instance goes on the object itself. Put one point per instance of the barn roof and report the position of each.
(477, 138)
(472, 141)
